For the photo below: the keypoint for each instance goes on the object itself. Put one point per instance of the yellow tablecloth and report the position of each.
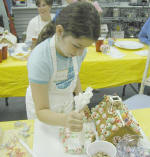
(10, 126)
(141, 115)
(100, 71)
(97, 70)
(13, 78)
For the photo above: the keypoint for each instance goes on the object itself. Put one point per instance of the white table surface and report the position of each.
(47, 142)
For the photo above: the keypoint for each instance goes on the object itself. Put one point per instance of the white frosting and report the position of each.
(98, 122)
(9, 37)
(104, 115)
(83, 99)
(102, 126)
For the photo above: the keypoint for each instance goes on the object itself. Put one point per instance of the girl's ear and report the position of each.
(59, 30)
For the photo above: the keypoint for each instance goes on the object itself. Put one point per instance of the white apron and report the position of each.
(60, 100)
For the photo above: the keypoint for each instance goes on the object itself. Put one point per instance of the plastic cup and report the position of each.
(11, 50)
(110, 42)
(34, 39)
(105, 49)
(101, 146)
(4, 51)
(99, 42)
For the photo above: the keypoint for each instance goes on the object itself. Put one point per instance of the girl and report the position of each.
(55, 62)
(37, 23)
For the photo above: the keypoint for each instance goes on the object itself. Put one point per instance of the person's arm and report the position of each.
(40, 96)
(144, 35)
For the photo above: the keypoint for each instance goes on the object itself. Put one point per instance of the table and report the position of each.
(101, 71)
(13, 78)
(141, 115)
(97, 70)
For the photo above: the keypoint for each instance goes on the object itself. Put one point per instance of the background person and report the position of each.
(37, 23)
(144, 35)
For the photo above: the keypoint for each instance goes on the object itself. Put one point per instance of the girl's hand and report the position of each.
(74, 121)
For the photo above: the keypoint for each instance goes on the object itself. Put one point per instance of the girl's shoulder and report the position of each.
(42, 51)
(43, 46)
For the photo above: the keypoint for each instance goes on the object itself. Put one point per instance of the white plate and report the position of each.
(132, 45)
(20, 52)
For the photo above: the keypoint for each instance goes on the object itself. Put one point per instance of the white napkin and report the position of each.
(115, 53)
(142, 52)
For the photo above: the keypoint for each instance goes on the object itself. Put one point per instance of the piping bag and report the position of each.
(81, 101)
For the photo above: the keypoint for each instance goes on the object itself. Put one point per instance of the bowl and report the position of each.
(133, 146)
(101, 146)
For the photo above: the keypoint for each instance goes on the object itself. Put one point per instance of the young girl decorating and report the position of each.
(54, 65)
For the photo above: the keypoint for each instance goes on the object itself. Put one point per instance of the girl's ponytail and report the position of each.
(47, 31)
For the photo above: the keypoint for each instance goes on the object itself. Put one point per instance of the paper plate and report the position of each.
(131, 45)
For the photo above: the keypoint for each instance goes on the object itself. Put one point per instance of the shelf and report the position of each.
(123, 19)
(120, 5)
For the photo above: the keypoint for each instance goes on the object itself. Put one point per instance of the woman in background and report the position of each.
(37, 23)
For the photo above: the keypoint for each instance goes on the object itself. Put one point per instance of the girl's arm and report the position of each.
(71, 120)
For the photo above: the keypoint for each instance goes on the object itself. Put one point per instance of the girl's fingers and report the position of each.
(76, 128)
(78, 116)
(76, 122)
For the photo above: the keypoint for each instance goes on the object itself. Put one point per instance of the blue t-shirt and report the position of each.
(144, 35)
(40, 65)
(57, 13)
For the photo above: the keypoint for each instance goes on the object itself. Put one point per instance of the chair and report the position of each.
(140, 100)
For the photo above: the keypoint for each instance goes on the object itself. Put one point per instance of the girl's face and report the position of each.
(69, 46)
(43, 8)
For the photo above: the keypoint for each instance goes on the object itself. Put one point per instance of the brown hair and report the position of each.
(79, 19)
(48, 2)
